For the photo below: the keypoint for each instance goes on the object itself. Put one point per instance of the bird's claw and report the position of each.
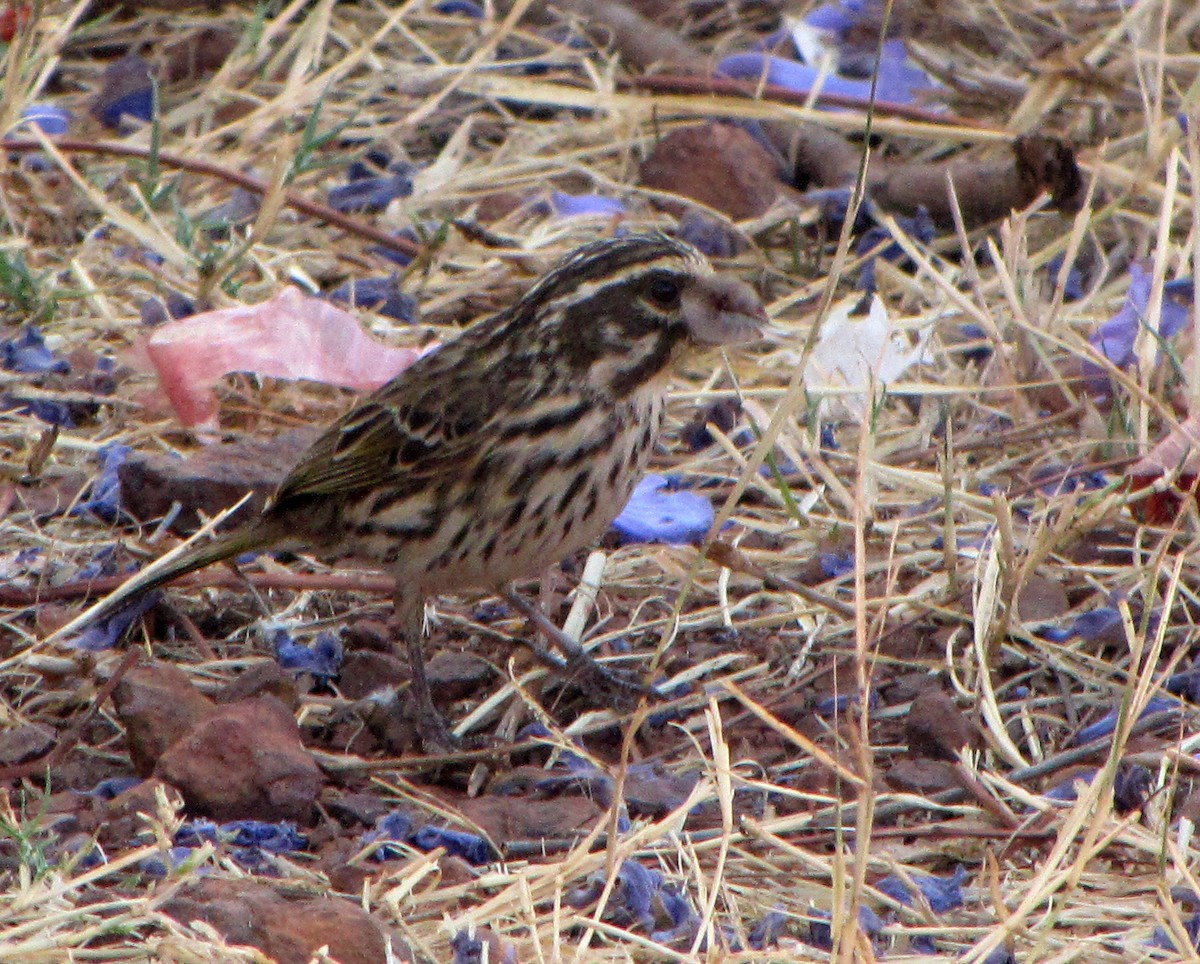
(620, 691)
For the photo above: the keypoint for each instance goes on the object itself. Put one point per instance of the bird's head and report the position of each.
(624, 308)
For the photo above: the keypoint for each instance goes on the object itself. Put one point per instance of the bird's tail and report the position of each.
(186, 559)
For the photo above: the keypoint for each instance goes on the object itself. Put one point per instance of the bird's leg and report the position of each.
(578, 663)
(431, 725)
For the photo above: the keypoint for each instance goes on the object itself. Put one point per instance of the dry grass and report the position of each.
(1074, 882)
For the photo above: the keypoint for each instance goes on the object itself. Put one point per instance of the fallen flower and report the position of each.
(1116, 339)
(584, 205)
(322, 657)
(656, 512)
(857, 357)
(27, 354)
(380, 295)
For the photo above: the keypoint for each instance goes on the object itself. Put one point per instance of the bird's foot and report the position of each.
(435, 735)
(621, 691)
(437, 739)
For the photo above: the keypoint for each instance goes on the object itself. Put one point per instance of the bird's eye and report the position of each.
(664, 292)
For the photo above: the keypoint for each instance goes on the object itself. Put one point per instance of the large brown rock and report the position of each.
(245, 761)
(718, 165)
(157, 704)
(287, 931)
(209, 480)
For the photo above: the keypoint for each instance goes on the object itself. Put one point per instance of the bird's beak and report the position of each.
(724, 311)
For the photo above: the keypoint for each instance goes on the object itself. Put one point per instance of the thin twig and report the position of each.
(323, 212)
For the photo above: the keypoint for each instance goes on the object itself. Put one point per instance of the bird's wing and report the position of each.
(420, 424)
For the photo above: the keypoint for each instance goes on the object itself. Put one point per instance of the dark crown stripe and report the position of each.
(608, 259)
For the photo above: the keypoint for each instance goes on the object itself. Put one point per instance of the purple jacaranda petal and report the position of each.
(110, 788)
(1117, 338)
(104, 500)
(380, 295)
(156, 310)
(835, 564)
(49, 118)
(636, 888)
(1107, 724)
(27, 354)
(459, 8)
(766, 932)
(920, 227)
(790, 74)
(126, 91)
(710, 235)
(155, 866)
(943, 893)
(398, 827)
(1089, 626)
(1162, 938)
(275, 838)
(321, 658)
(657, 513)
(469, 846)
(107, 634)
(820, 933)
(370, 193)
(1066, 792)
(1072, 285)
(898, 83)
(582, 205)
(839, 18)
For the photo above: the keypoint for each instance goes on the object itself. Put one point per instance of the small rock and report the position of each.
(49, 618)
(25, 741)
(921, 776)
(157, 704)
(286, 931)
(245, 761)
(936, 728)
(210, 480)
(141, 799)
(718, 165)
(453, 675)
(478, 945)
(505, 819)
(355, 809)
(126, 89)
(53, 495)
(372, 634)
(260, 679)
(455, 871)
(496, 205)
(904, 687)
(653, 793)
(66, 813)
(335, 861)
(1041, 599)
(198, 55)
(365, 671)
(124, 816)
(1132, 787)
(1189, 807)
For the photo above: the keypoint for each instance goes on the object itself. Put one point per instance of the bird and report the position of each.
(503, 451)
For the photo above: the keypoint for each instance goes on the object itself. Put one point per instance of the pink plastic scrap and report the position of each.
(292, 335)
